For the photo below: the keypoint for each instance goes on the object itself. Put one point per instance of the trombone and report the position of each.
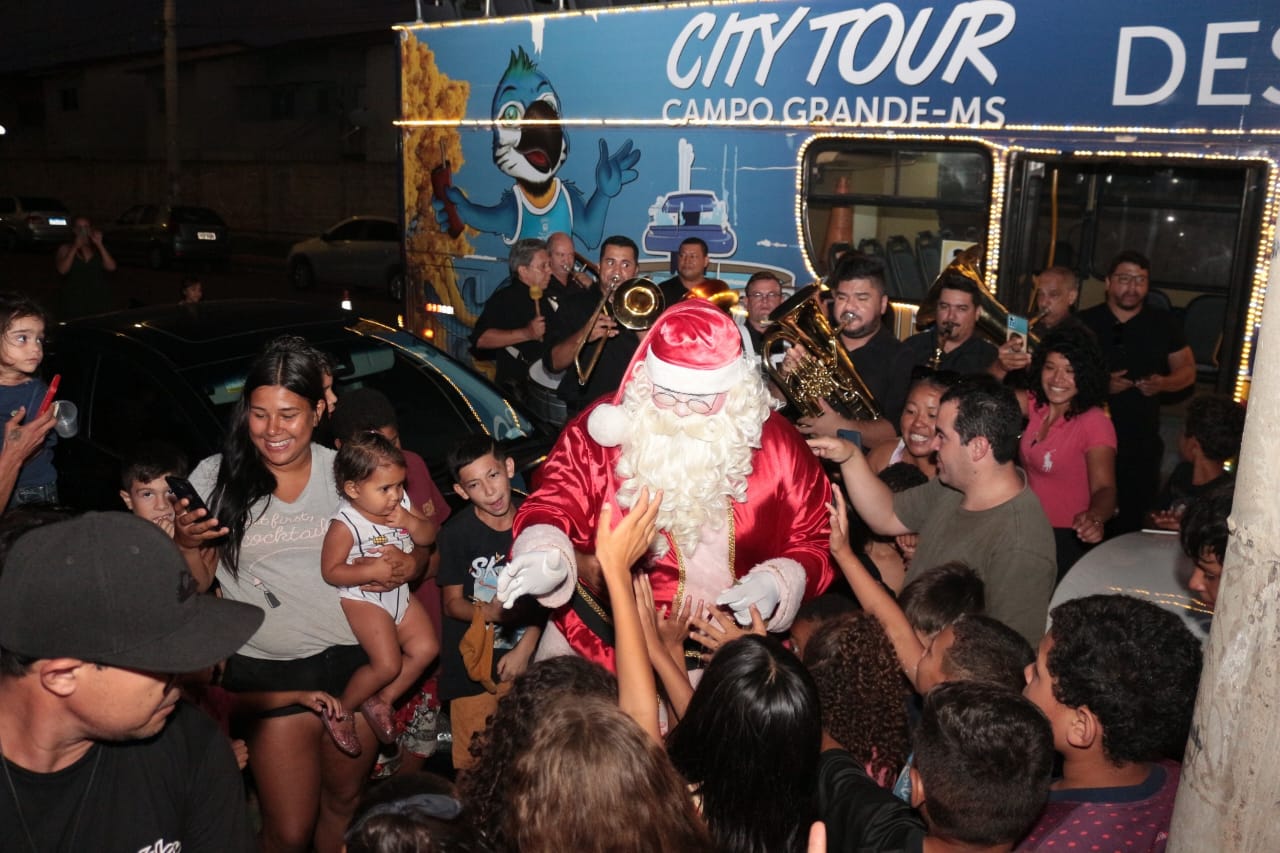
(635, 304)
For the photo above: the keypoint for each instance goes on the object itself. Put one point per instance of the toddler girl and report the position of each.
(22, 324)
(392, 627)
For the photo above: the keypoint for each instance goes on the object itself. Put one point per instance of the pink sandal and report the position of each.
(342, 728)
(381, 718)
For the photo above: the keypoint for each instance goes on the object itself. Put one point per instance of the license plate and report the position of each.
(57, 220)
(206, 235)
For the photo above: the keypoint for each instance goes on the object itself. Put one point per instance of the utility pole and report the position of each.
(172, 164)
(1230, 776)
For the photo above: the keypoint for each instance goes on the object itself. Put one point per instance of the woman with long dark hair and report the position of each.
(270, 494)
(1068, 449)
(748, 745)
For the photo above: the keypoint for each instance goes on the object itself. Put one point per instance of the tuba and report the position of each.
(993, 318)
(826, 372)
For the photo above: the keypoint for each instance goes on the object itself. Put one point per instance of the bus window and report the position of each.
(899, 202)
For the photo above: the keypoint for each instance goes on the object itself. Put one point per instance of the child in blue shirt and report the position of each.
(22, 323)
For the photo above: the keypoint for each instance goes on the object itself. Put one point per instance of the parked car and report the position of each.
(174, 373)
(159, 235)
(33, 221)
(363, 251)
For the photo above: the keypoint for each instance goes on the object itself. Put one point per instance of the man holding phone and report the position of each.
(82, 264)
(1148, 356)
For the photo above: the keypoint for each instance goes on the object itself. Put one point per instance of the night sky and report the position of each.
(43, 33)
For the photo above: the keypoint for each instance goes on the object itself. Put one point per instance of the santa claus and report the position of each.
(743, 519)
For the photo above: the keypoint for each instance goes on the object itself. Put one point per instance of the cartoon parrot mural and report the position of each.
(539, 203)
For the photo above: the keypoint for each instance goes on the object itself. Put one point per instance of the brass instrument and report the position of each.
(826, 372)
(635, 304)
(993, 318)
(716, 292)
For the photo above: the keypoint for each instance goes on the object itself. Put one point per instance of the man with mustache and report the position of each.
(742, 520)
(98, 616)
(1148, 356)
(962, 351)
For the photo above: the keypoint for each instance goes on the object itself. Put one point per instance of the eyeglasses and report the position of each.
(766, 296)
(1130, 279)
(700, 404)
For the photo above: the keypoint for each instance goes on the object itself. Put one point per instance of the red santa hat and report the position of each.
(692, 348)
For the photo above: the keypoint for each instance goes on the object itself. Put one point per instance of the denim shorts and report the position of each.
(44, 493)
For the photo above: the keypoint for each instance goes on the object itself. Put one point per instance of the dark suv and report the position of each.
(159, 235)
(174, 373)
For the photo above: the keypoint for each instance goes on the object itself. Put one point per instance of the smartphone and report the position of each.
(852, 435)
(1017, 327)
(49, 395)
(182, 488)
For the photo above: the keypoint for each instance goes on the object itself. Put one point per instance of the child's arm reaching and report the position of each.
(617, 549)
(664, 635)
(875, 599)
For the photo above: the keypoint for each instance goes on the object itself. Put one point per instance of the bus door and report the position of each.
(1199, 223)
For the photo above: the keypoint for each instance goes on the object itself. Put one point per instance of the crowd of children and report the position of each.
(900, 721)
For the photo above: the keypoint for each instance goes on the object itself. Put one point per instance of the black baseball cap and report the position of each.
(112, 588)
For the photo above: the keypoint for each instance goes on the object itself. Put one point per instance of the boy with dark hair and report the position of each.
(941, 595)
(1204, 537)
(1211, 437)
(473, 553)
(143, 487)
(983, 760)
(1117, 678)
(983, 757)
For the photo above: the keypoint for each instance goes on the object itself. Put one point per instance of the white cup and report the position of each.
(67, 418)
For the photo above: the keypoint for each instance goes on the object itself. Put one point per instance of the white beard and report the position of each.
(697, 460)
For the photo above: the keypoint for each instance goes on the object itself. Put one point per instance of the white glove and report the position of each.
(535, 573)
(758, 588)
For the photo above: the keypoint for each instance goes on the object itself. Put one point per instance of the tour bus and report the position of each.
(775, 131)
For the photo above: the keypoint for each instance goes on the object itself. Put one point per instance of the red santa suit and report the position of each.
(781, 529)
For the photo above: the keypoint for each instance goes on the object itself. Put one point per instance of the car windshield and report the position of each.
(194, 216)
(39, 203)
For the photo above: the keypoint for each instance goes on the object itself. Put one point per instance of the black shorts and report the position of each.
(330, 670)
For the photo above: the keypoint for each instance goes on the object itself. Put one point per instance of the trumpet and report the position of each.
(634, 304)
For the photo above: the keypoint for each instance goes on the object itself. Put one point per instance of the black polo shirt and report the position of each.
(1142, 347)
(884, 371)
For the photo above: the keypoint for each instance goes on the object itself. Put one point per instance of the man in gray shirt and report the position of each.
(979, 510)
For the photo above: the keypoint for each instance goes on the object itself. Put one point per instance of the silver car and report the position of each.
(33, 221)
(363, 251)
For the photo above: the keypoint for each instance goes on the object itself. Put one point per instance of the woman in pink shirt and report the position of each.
(1068, 449)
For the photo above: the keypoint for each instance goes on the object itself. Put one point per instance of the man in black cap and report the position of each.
(98, 614)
